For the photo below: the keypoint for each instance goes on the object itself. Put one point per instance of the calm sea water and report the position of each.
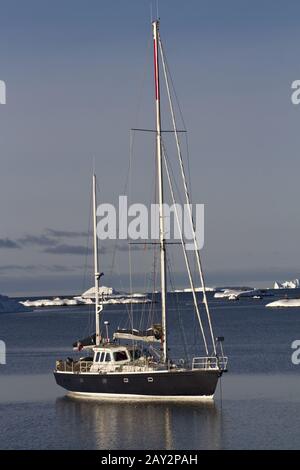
(257, 405)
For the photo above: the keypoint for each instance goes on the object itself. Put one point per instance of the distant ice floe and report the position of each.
(197, 289)
(107, 296)
(56, 302)
(115, 300)
(236, 294)
(284, 303)
(227, 293)
(287, 284)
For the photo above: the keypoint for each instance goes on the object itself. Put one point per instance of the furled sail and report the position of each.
(151, 335)
(85, 343)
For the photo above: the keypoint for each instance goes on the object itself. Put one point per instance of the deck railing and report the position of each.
(203, 363)
(210, 363)
(73, 366)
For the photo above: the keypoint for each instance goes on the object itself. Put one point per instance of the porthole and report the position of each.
(150, 379)
(126, 380)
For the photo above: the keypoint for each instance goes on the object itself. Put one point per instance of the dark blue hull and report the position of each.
(186, 383)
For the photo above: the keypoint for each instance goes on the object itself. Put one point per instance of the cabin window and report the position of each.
(107, 357)
(97, 357)
(102, 357)
(120, 356)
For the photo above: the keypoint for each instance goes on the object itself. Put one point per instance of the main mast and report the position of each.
(163, 277)
(96, 264)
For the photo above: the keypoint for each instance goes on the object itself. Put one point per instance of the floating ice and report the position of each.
(287, 284)
(284, 303)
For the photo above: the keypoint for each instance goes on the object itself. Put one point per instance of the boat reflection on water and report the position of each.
(130, 425)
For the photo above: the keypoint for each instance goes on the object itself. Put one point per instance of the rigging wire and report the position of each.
(199, 263)
(127, 186)
(171, 81)
(178, 311)
(184, 250)
(187, 153)
(132, 136)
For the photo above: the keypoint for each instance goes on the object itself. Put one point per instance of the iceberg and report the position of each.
(197, 289)
(108, 295)
(88, 298)
(118, 299)
(235, 294)
(103, 291)
(295, 284)
(57, 302)
(230, 293)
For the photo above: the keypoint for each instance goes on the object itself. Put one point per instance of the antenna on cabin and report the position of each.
(106, 323)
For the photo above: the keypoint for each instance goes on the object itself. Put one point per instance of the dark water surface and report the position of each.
(260, 405)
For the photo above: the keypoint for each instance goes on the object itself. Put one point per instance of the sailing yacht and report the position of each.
(128, 370)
